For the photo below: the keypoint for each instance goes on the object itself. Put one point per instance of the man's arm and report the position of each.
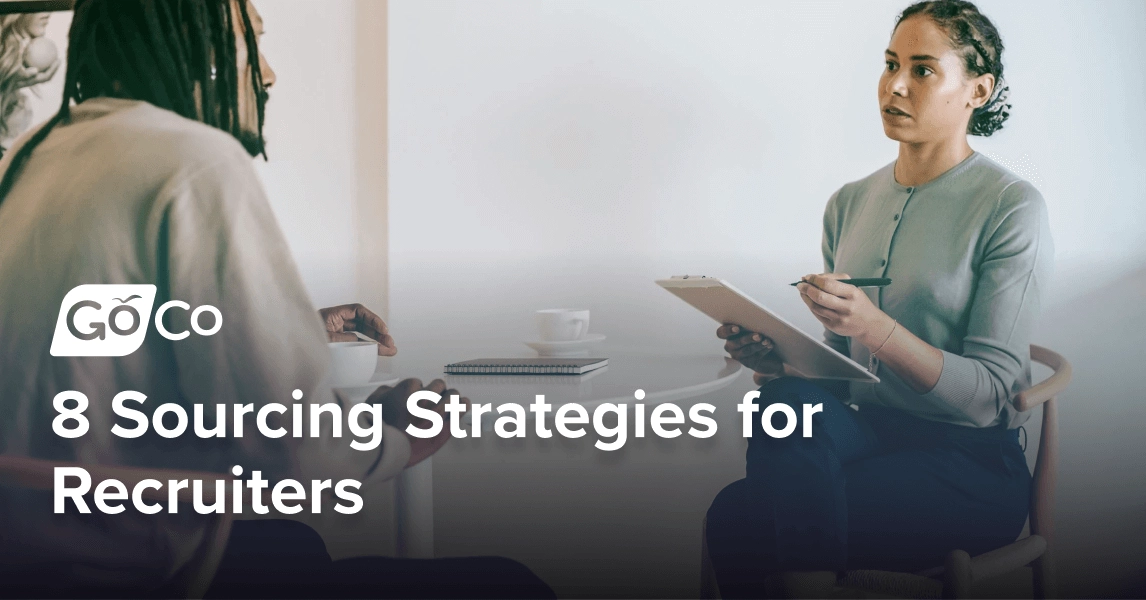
(224, 248)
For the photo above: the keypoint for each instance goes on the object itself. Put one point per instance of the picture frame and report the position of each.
(33, 47)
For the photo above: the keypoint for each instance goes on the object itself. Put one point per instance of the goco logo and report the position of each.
(112, 320)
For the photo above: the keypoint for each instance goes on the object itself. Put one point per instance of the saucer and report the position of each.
(567, 348)
(378, 380)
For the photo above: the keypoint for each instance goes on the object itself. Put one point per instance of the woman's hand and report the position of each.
(27, 76)
(751, 350)
(845, 309)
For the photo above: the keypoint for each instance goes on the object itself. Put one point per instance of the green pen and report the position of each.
(859, 282)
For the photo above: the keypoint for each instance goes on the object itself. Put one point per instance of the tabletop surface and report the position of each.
(662, 378)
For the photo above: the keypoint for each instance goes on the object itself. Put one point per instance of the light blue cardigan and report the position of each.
(970, 256)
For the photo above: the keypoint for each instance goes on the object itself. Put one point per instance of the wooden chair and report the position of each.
(961, 571)
(195, 577)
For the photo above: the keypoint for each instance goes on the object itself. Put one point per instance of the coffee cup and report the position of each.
(352, 363)
(562, 324)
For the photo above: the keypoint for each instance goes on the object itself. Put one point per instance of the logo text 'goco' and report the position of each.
(112, 320)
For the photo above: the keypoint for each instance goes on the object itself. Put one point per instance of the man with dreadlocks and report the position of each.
(145, 177)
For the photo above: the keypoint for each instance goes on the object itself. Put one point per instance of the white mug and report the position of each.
(352, 363)
(562, 324)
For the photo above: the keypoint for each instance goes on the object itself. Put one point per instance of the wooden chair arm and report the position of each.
(1008, 558)
(37, 474)
(1051, 386)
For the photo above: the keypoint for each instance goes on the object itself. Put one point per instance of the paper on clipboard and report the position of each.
(800, 351)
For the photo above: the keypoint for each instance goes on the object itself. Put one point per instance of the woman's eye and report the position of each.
(922, 71)
(890, 66)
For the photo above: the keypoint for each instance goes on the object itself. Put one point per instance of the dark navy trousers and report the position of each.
(871, 489)
(279, 558)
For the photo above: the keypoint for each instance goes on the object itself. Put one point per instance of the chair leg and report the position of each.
(1044, 580)
(957, 575)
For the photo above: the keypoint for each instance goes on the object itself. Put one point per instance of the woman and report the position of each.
(930, 461)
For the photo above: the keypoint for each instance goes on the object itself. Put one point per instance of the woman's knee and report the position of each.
(793, 391)
(804, 399)
(814, 427)
(731, 516)
(729, 501)
(809, 402)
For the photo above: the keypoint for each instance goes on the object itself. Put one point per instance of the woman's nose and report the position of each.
(897, 84)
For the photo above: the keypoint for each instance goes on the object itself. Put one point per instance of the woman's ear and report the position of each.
(981, 89)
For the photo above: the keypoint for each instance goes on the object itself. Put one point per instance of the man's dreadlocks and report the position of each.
(175, 54)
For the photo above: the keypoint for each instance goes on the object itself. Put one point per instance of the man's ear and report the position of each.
(981, 89)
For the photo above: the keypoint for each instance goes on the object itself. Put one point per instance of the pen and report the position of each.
(858, 282)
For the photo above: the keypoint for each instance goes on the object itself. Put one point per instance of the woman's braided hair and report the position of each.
(973, 34)
(179, 55)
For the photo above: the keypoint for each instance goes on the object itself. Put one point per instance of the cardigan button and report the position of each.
(895, 217)
(883, 262)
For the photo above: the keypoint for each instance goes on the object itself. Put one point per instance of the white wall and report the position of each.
(686, 135)
(555, 153)
(313, 124)
(310, 132)
(655, 126)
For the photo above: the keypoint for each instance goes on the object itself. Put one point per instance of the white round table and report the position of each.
(666, 378)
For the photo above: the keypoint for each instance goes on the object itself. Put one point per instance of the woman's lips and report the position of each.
(893, 112)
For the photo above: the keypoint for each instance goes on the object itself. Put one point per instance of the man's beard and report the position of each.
(253, 140)
(254, 144)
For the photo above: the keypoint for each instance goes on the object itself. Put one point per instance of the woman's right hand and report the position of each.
(752, 350)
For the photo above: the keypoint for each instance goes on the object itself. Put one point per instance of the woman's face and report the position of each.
(37, 24)
(925, 94)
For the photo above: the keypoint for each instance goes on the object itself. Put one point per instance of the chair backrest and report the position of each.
(195, 577)
(1046, 461)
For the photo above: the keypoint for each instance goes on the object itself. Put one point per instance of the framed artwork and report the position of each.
(33, 44)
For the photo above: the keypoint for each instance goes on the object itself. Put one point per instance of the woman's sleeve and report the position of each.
(829, 241)
(224, 248)
(831, 236)
(1012, 278)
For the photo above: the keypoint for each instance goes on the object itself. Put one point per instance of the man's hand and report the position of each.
(844, 309)
(342, 321)
(752, 350)
(393, 401)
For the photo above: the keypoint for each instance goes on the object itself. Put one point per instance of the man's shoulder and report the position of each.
(139, 138)
(182, 141)
(131, 153)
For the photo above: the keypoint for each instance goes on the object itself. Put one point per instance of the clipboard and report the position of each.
(808, 356)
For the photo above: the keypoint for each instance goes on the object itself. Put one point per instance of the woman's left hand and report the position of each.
(843, 309)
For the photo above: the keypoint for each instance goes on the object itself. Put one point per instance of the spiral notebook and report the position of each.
(526, 366)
